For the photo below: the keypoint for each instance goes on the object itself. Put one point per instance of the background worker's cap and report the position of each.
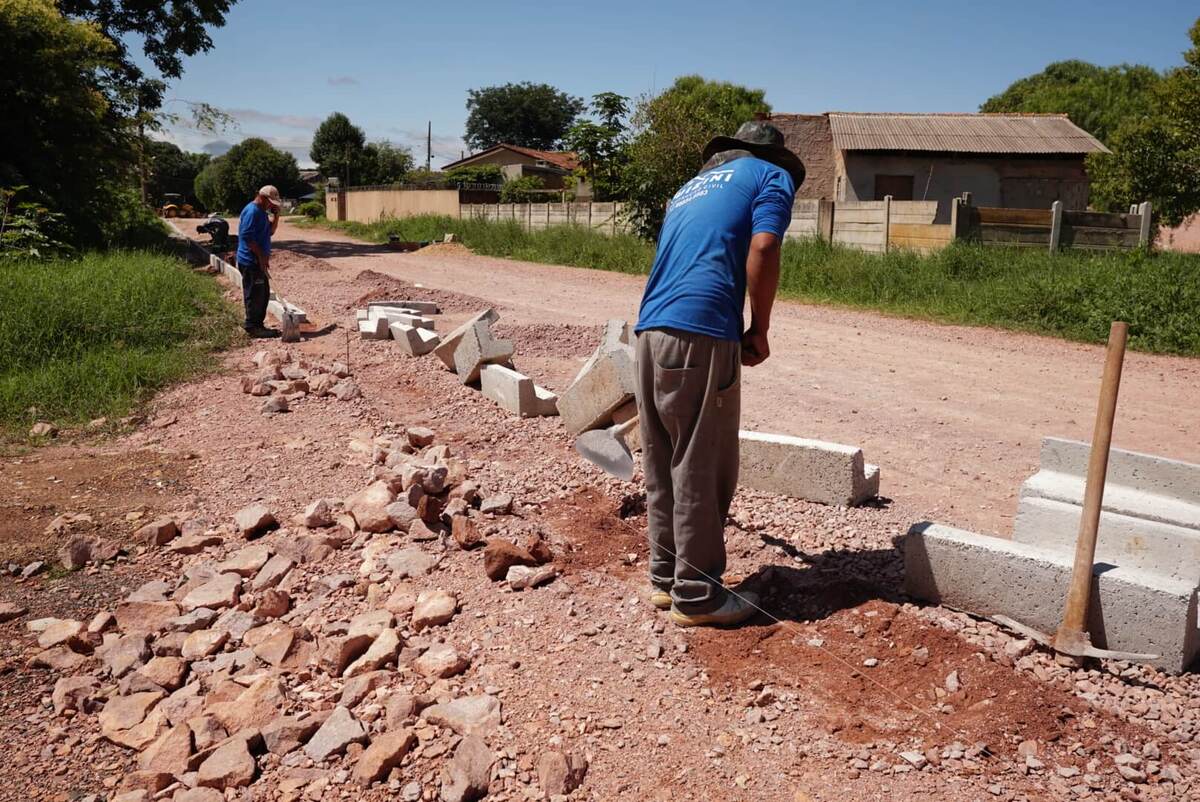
(270, 193)
(764, 141)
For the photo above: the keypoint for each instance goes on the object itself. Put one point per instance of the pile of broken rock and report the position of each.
(305, 655)
(284, 382)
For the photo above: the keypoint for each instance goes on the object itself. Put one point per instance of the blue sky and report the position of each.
(280, 67)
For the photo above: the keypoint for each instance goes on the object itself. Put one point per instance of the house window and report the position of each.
(900, 187)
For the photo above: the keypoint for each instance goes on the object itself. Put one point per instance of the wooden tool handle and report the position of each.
(1075, 613)
(622, 429)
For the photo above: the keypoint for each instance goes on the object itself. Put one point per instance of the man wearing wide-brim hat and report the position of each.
(721, 238)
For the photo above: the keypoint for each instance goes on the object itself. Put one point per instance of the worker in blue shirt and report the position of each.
(721, 235)
(255, 228)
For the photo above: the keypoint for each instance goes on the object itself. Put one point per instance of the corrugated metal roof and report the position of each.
(962, 133)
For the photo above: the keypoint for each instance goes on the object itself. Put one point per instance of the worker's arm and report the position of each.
(762, 280)
(264, 261)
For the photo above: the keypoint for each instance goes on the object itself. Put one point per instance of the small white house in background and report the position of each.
(1020, 161)
(552, 166)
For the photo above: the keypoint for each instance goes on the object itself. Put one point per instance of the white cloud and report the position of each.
(267, 118)
(343, 80)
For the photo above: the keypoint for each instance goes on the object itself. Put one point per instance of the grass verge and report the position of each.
(1072, 294)
(93, 337)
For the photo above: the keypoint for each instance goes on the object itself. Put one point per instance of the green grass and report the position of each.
(1073, 294)
(95, 336)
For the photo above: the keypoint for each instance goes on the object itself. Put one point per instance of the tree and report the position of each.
(1097, 99)
(476, 174)
(172, 171)
(670, 131)
(1157, 157)
(602, 147)
(526, 114)
(59, 134)
(231, 181)
(384, 163)
(337, 148)
(522, 190)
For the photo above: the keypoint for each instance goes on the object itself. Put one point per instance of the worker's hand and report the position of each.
(265, 264)
(755, 348)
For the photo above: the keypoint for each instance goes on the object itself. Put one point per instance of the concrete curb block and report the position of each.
(1158, 548)
(828, 473)
(445, 351)
(417, 307)
(1130, 610)
(278, 305)
(607, 381)
(407, 317)
(1151, 516)
(374, 328)
(412, 340)
(476, 348)
(516, 392)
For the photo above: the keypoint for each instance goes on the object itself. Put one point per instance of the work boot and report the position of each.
(737, 608)
(262, 333)
(660, 599)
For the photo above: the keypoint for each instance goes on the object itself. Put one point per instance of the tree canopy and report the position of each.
(171, 170)
(669, 134)
(59, 134)
(601, 145)
(230, 181)
(1156, 157)
(1097, 99)
(526, 114)
(168, 33)
(337, 147)
(341, 150)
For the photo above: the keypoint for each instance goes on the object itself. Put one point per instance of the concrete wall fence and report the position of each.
(876, 226)
(607, 217)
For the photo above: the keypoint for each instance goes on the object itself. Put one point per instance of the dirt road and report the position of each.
(954, 415)
(843, 691)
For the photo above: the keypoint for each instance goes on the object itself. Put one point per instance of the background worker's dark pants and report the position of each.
(256, 291)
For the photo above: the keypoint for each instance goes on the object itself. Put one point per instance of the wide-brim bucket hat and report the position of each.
(764, 141)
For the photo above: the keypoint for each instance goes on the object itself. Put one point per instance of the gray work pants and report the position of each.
(689, 402)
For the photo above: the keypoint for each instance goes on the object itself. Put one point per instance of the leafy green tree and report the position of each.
(601, 146)
(1097, 99)
(476, 174)
(526, 114)
(1157, 157)
(171, 170)
(229, 182)
(522, 190)
(59, 134)
(669, 134)
(337, 148)
(384, 163)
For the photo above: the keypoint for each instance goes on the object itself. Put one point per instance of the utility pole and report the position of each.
(429, 146)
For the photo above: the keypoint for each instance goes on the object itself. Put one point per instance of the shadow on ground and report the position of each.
(332, 250)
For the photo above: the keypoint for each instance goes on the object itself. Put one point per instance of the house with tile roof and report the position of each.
(552, 166)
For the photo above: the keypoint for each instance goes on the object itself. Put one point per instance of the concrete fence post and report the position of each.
(1145, 210)
(825, 220)
(887, 222)
(1056, 219)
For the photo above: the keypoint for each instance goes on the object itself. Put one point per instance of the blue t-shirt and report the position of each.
(253, 226)
(698, 282)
